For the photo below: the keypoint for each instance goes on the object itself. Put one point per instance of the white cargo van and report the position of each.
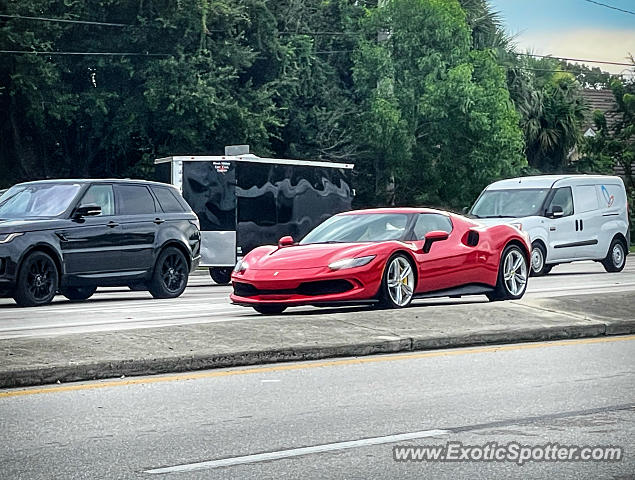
(568, 217)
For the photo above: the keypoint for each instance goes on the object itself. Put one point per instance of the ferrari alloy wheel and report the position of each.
(512, 275)
(398, 283)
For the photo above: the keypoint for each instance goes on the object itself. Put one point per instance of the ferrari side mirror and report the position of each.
(286, 241)
(434, 236)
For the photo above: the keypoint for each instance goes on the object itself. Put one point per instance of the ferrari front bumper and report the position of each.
(305, 286)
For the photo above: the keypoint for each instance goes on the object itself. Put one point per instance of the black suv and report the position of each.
(73, 236)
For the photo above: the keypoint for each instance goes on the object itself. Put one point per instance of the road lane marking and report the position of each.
(296, 452)
(396, 438)
(304, 366)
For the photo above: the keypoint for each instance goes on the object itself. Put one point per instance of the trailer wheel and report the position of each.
(221, 275)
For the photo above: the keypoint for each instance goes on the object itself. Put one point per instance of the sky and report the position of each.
(572, 28)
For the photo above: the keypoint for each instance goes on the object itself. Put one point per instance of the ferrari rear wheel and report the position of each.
(270, 309)
(398, 283)
(512, 275)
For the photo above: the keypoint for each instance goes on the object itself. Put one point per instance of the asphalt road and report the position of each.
(333, 419)
(205, 302)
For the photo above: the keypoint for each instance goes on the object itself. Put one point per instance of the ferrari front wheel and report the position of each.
(512, 275)
(398, 283)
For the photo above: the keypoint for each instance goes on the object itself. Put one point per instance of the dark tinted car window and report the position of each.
(101, 195)
(430, 222)
(167, 200)
(134, 200)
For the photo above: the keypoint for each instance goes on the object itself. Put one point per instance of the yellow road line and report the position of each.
(303, 366)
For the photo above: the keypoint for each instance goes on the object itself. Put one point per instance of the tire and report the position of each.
(398, 283)
(512, 275)
(77, 294)
(38, 280)
(270, 309)
(538, 256)
(221, 275)
(169, 278)
(616, 257)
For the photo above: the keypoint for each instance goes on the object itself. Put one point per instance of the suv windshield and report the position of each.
(513, 203)
(37, 200)
(368, 227)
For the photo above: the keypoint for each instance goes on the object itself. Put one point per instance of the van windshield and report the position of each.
(510, 203)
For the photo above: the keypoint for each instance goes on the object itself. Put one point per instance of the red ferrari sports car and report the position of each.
(385, 256)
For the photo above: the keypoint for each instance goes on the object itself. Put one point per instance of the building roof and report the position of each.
(604, 101)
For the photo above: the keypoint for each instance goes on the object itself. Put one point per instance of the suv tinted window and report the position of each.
(564, 199)
(167, 200)
(134, 200)
(430, 222)
(101, 195)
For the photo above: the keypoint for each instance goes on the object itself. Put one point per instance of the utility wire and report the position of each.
(104, 54)
(62, 20)
(610, 6)
(576, 59)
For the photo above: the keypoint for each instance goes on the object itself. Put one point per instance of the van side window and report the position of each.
(564, 199)
(586, 199)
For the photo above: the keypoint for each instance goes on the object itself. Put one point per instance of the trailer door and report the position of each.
(210, 189)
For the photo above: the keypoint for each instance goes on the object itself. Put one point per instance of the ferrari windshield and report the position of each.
(37, 200)
(513, 203)
(366, 227)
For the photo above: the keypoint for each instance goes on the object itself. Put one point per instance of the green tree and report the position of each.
(436, 121)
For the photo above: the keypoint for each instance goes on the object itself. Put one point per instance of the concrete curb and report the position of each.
(185, 363)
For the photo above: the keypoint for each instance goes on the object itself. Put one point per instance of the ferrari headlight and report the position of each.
(7, 237)
(241, 266)
(351, 262)
(518, 225)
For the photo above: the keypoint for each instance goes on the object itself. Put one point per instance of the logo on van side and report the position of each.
(607, 196)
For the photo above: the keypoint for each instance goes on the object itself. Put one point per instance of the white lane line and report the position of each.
(296, 452)
(121, 321)
(581, 287)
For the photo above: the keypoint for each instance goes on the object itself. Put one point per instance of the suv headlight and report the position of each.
(351, 262)
(7, 237)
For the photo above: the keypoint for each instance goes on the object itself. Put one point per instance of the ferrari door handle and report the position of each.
(113, 224)
(552, 229)
(158, 221)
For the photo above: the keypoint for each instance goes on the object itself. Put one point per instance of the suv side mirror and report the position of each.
(434, 236)
(286, 241)
(556, 212)
(87, 211)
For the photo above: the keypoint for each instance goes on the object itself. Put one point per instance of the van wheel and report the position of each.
(77, 294)
(512, 275)
(538, 256)
(170, 274)
(616, 256)
(221, 275)
(37, 281)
